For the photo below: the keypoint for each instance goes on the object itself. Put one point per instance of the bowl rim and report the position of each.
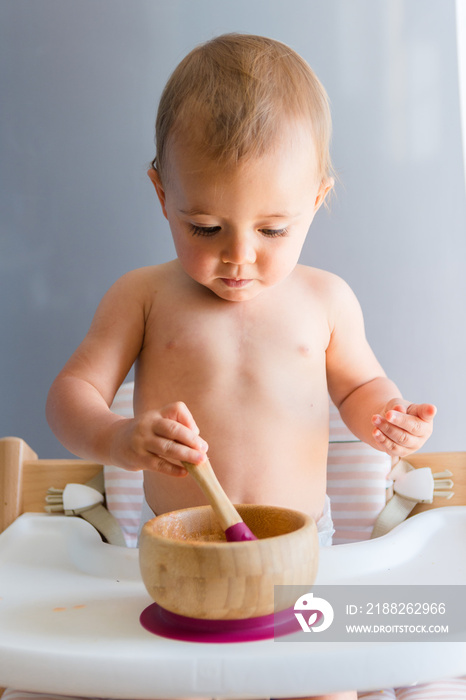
(308, 521)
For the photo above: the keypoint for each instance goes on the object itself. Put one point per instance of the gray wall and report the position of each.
(80, 80)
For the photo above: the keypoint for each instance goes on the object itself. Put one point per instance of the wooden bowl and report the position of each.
(190, 569)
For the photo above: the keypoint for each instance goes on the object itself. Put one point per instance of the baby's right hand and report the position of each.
(159, 440)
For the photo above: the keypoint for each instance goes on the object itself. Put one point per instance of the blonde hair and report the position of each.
(235, 93)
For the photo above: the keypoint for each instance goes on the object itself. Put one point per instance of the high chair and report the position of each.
(357, 480)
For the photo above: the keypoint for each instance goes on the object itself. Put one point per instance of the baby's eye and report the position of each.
(204, 230)
(272, 233)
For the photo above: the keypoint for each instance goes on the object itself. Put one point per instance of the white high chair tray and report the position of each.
(70, 606)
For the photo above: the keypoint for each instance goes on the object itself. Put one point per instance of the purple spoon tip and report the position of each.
(239, 532)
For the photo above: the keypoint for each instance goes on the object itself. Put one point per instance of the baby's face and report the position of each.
(239, 230)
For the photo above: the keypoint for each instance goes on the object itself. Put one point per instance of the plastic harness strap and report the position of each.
(396, 510)
(411, 486)
(86, 501)
(105, 523)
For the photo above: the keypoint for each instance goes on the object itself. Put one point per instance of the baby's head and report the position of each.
(232, 97)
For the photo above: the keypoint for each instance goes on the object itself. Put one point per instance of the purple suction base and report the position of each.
(159, 621)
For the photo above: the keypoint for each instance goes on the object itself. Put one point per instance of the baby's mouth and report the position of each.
(235, 283)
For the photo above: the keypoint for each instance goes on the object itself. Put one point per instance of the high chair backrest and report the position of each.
(356, 479)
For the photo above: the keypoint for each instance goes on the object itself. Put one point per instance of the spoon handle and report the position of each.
(210, 485)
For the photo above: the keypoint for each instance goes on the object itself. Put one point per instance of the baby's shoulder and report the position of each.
(332, 294)
(135, 291)
(326, 284)
(143, 281)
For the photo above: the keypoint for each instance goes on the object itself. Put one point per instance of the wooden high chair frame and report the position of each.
(24, 478)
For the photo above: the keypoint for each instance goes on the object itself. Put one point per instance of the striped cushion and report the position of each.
(449, 689)
(124, 489)
(356, 480)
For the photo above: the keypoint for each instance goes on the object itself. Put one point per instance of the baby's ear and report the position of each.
(157, 182)
(325, 187)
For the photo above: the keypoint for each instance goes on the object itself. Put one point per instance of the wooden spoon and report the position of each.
(235, 528)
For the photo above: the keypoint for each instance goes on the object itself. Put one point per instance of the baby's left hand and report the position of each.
(403, 427)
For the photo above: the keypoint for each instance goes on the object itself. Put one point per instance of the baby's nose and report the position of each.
(239, 250)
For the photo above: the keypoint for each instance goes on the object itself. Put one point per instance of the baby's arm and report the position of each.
(369, 403)
(78, 403)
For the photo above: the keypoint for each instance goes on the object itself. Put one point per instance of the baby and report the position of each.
(236, 346)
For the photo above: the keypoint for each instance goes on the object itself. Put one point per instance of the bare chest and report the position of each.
(220, 346)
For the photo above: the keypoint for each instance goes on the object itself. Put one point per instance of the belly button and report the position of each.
(170, 345)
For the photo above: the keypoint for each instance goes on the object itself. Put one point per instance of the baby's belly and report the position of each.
(267, 444)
